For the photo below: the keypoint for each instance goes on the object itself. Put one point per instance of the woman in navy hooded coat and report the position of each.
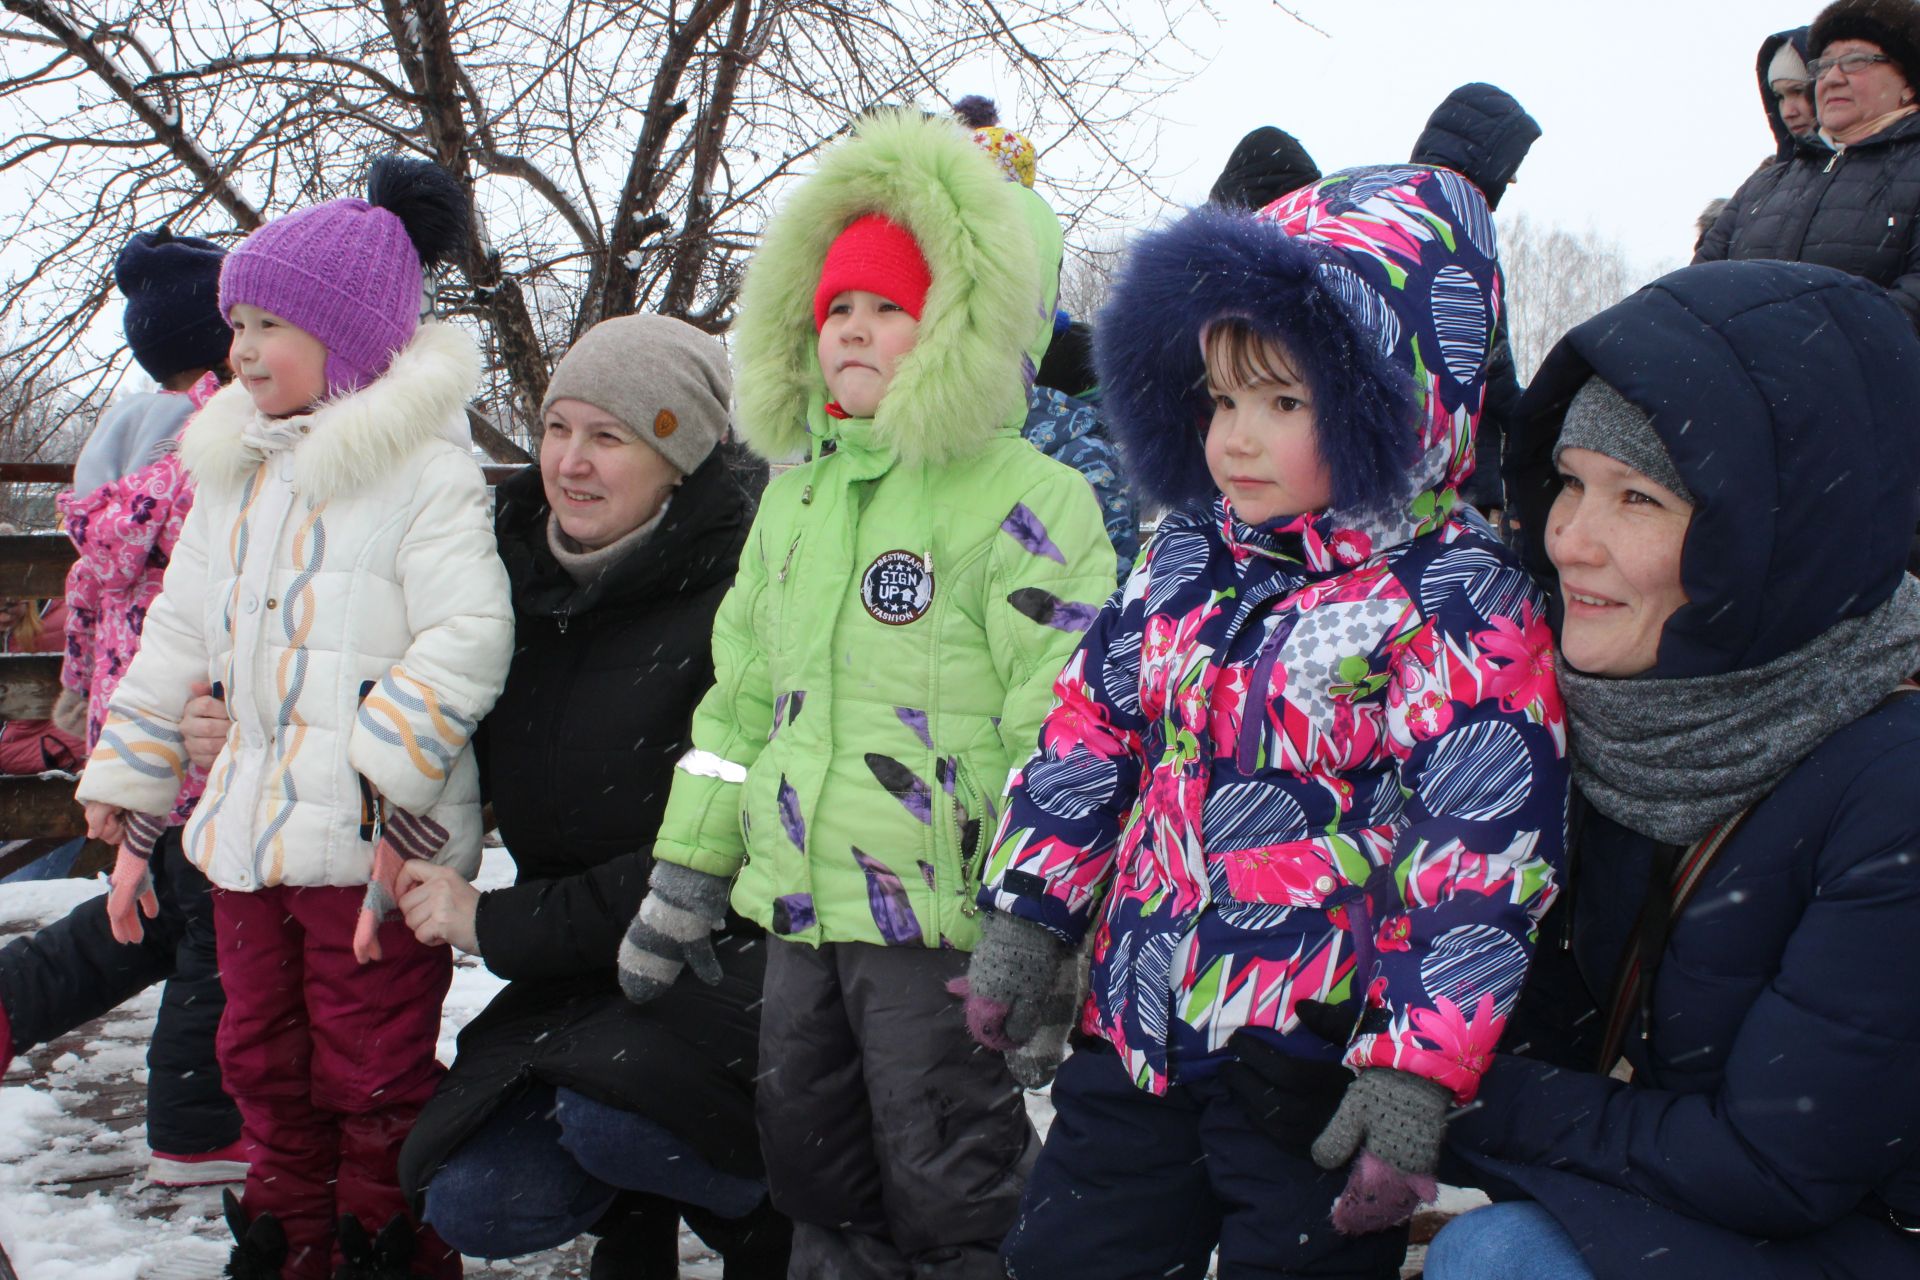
(1771, 1127)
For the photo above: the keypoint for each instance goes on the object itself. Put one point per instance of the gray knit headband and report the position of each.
(1600, 419)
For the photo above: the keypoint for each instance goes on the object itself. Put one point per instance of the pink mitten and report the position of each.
(1379, 1196)
(131, 893)
(986, 1019)
(404, 835)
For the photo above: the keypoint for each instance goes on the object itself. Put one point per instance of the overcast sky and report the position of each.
(1649, 107)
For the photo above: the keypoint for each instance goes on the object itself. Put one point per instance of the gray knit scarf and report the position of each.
(1671, 758)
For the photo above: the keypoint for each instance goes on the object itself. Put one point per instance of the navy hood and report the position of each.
(1783, 139)
(1788, 397)
(1481, 133)
(1380, 284)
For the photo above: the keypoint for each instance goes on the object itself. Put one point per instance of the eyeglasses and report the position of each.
(1851, 64)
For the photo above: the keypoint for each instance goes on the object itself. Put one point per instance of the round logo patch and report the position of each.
(896, 588)
(665, 424)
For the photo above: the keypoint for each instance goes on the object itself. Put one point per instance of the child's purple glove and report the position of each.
(131, 893)
(1394, 1121)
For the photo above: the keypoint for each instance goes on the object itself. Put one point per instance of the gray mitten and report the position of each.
(1389, 1125)
(673, 929)
(1034, 1062)
(1399, 1116)
(1010, 983)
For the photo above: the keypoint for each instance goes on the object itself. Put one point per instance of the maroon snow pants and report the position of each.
(329, 1061)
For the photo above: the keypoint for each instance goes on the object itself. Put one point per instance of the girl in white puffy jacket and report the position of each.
(337, 582)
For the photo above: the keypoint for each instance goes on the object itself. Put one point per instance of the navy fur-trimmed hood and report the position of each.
(1380, 282)
(1217, 263)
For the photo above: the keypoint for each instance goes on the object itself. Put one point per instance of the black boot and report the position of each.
(753, 1248)
(639, 1240)
(387, 1256)
(259, 1246)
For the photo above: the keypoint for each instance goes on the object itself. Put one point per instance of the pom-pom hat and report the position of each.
(173, 320)
(350, 271)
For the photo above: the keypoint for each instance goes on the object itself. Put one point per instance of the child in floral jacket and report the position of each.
(1304, 780)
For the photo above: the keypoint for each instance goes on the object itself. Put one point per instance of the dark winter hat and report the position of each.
(350, 272)
(1894, 25)
(879, 256)
(1265, 165)
(666, 380)
(1482, 133)
(1600, 419)
(172, 287)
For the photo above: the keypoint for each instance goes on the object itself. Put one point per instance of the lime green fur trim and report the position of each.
(961, 382)
(1051, 243)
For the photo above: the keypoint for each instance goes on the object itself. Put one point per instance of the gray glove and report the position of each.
(1034, 1062)
(1394, 1120)
(1018, 999)
(673, 929)
(1398, 1116)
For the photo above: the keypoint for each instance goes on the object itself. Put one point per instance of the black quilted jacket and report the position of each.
(1854, 211)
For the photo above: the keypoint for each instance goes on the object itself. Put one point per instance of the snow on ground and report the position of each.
(54, 1227)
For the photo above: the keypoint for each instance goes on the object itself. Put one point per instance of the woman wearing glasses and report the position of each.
(1849, 197)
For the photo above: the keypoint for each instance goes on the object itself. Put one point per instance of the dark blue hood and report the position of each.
(1481, 133)
(1783, 140)
(1789, 398)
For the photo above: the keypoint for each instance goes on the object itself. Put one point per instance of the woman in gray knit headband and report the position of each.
(1721, 474)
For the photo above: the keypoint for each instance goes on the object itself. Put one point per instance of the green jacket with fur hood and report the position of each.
(908, 594)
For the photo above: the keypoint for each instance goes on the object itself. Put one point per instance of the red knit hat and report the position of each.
(876, 255)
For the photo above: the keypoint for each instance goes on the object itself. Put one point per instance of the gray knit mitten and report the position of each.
(1034, 1062)
(673, 929)
(1389, 1125)
(1011, 983)
(1398, 1116)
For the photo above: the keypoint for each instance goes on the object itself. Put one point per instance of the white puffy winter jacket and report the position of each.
(341, 585)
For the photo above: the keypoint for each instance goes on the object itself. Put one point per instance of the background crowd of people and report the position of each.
(1468, 782)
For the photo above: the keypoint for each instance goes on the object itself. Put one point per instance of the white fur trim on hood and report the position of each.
(357, 438)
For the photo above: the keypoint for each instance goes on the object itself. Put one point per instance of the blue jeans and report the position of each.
(549, 1165)
(1517, 1240)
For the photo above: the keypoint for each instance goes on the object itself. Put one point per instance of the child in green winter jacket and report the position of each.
(883, 660)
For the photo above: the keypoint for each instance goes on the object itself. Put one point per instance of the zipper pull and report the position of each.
(1832, 160)
(788, 562)
(561, 617)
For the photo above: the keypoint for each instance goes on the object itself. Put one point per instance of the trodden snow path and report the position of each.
(74, 1200)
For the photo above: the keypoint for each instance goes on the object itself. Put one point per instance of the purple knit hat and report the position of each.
(350, 271)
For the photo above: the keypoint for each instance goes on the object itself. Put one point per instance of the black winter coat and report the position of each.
(1483, 133)
(1857, 211)
(577, 759)
(1772, 1123)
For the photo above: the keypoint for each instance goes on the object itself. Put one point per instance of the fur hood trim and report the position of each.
(357, 438)
(961, 382)
(1218, 263)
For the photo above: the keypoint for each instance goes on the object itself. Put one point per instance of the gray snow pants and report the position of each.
(897, 1145)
